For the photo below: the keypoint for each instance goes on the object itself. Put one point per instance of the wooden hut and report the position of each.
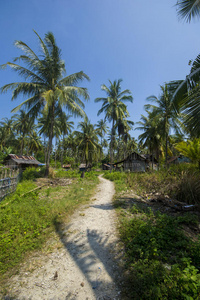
(66, 167)
(106, 166)
(20, 161)
(84, 168)
(151, 161)
(178, 159)
(133, 163)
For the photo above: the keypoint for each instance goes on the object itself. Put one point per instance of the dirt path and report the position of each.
(83, 268)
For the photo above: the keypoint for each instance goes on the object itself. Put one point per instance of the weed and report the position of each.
(27, 220)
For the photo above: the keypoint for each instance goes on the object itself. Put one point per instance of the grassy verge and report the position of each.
(162, 251)
(28, 219)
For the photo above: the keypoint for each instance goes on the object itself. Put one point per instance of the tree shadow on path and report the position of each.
(94, 254)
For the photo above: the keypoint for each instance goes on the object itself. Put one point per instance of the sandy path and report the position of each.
(84, 267)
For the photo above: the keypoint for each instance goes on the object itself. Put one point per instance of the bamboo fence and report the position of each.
(8, 181)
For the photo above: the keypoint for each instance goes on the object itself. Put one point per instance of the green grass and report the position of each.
(28, 221)
(161, 260)
(163, 263)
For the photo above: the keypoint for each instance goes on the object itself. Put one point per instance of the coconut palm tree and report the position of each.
(187, 96)
(102, 129)
(65, 128)
(23, 125)
(166, 114)
(34, 143)
(88, 141)
(113, 106)
(7, 132)
(190, 149)
(123, 127)
(152, 135)
(45, 85)
(188, 9)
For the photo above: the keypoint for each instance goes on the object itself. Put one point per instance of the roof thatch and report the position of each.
(22, 159)
(132, 156)
(66, 166)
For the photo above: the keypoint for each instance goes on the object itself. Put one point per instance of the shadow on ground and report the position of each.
(93, 253)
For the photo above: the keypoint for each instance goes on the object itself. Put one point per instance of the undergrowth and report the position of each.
(179, 182)
(28, 219)
(161, 260)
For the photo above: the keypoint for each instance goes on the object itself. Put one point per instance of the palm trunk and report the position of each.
(62, 152)
(50, 143)
(111, 147)
(166, 149)
(22, 144)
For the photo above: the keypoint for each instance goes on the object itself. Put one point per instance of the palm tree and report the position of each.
(23, 124)
(188, 9)
(152, 136)
(102, 129)
(123, 127)
(167, 113)
(7, 133)
(190, 149)
(65, 128)
(187, 96)
(132, 145)
(88, 141)
(34, 143)
(113, 106)
(44, 126)
(44, 83)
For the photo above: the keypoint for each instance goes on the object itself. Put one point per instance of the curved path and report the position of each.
(84, 268)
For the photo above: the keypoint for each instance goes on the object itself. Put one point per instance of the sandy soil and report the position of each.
(85, 266)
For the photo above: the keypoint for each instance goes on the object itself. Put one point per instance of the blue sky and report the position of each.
(142, 42)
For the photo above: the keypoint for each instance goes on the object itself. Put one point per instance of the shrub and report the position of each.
(30, 174)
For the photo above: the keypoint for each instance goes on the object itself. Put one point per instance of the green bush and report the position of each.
(30, 174)
(161, 260)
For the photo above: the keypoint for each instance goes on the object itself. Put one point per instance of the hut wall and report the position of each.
(12, 164)
(135, 166)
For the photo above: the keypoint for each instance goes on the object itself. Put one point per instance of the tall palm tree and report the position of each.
(113, 106)
(34, 143)
(88, 140)
(71, 144)
(23, 125)
(188, 9)
(102, 129)
(152, 135)
(166, 111)
(123, 127)
(187, 96)
(65, 128)
(6, 132)
(45, 84)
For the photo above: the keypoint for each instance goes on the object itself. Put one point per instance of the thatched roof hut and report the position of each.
(20, 161)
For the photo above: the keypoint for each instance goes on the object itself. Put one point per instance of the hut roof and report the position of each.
(131, 156)
(22, 159)
(149, 157)
(84, 166)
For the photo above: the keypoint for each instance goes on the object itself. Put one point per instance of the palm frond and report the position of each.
(188, 9)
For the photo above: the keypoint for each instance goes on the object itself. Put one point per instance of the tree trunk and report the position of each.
(111, 146)
(62, 151)
(50, 142)
(166, 149)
